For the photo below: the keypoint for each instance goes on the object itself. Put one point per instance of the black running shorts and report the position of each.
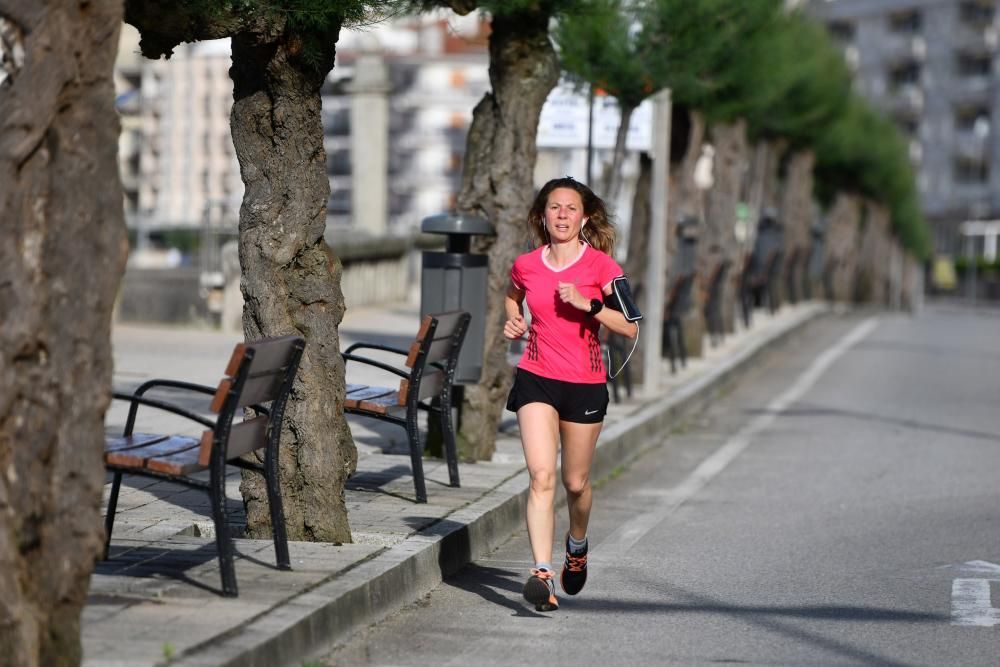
(574, 401)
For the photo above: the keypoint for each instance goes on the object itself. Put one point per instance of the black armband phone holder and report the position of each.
(621, 299)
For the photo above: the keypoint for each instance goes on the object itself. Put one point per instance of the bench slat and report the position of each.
(261, 389)
(447, 323)
(379, 400)
(115, 444)
(255, 390)
(355, 398)
(431, 384)
(269, 354)
(245, 437)
(181, 463)
(439, 350)
(137, 457)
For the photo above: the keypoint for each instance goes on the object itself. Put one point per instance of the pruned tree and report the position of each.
(497, 180)
(62, 254)
(282, 53)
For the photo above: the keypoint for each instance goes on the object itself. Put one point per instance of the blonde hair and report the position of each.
(600, 231)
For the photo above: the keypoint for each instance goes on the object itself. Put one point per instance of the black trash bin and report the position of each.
(456, 280)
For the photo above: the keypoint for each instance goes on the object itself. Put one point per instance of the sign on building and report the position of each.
(564, 122)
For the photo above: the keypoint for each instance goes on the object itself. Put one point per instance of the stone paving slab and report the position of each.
(155, 601)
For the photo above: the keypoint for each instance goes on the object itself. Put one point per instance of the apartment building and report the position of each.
(396, 111)
(932, 66)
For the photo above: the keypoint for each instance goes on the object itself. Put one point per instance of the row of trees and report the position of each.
(63, 252)
(771, 94)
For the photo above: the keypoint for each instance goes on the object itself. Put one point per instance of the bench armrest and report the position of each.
(375, 346)
(136, 401)
(377, 364)
(173, 384)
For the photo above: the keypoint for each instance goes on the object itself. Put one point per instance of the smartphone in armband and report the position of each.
(621, 299)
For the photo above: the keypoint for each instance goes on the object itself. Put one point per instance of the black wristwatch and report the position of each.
(595, 306)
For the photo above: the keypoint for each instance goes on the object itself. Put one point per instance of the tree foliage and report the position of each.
(599, 45)
(862, 151)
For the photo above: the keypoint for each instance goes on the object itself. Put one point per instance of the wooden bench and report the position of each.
(428, 375)
(259, 376)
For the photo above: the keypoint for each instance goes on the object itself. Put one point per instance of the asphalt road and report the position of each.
(818, 513)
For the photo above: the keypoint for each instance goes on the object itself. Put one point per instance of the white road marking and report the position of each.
(623, 539)
(971, 604)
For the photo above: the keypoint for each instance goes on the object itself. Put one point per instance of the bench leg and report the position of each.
(223, 543)
(416, 455)
(448, 431)
(109, 518)
(277, 509)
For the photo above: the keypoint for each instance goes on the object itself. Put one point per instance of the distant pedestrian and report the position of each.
(560, 393)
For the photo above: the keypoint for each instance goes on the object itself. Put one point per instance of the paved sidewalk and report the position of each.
(155, 600)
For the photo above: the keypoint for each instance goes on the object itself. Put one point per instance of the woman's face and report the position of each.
(564, 215)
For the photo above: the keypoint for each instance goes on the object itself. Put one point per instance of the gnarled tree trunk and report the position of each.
(797, 217)
(686, 199)
(62, 254)
(841, 246)
(497, 184)
(291, 279)
(731, 156)
(637, 259)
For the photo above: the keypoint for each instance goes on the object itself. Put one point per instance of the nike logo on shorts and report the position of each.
(589, 412)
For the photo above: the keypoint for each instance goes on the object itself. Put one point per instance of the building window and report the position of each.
(908, 125)
(970, 118)
(971, 170)
(338, 163)
(842, 30)
(973, 64)
(906, 22)
(903, 74)
(976, 13)
(340, 202)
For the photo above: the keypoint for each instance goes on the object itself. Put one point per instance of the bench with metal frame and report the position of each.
(426, 384)
(259, 376)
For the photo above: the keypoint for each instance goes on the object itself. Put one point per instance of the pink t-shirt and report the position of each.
(562, 340)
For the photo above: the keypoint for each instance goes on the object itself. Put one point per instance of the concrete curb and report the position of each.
(312, 622)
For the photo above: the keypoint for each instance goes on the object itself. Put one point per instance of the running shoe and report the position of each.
(574, 572)
(540, 590)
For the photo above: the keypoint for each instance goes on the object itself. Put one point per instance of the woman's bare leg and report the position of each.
(539, 424)
(578, 444)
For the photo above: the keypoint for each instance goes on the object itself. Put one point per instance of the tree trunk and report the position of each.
(497, 184)
(841, 246)
(62, 256)
(291, 279)
(797, 217)
(686, 199)
(614, 180)
(874, 255)
(638, 247)
(731, 156)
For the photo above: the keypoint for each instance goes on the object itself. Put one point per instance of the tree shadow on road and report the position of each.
(774, 618)
(807, 410)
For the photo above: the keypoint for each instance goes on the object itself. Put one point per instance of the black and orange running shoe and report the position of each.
(540, 590)
(574, 572)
